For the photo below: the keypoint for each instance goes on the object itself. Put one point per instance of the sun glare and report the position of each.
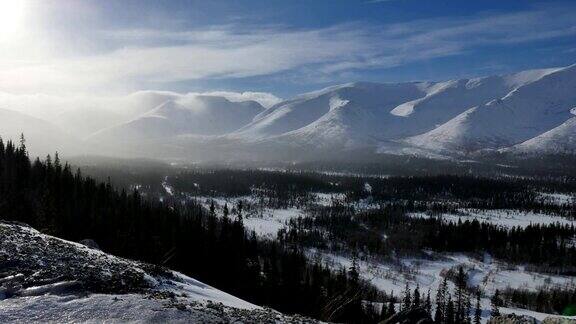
(11, 14)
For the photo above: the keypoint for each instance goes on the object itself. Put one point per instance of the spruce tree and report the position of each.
(478, 310)
(416, 297)
(384, 312)
(495, 304)
(460, 296)
(428, 304)
(439, 313)
(449, 318)
(391, 309)
(406, 300)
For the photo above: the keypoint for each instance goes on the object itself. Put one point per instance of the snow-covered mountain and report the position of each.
(41, 136)
(419, 115)
(524, 113)
(561, 139)
(514, 113)
(200, 115)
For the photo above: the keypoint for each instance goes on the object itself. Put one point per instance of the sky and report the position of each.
(109, 47)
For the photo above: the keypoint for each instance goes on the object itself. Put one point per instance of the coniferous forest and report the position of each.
(130, 215)
(49, 196)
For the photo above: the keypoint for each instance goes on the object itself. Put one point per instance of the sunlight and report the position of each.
(11, 14)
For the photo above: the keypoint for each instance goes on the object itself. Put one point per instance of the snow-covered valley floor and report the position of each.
(426, 273)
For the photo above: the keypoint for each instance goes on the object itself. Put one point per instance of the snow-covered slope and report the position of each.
(423, 118)
(526, 112)
(201, 115)
(45, 279)
(364, 115)
(372, 98)
(41, 136)
(561, 139)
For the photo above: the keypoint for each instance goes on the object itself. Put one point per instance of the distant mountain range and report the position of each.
(530, 112)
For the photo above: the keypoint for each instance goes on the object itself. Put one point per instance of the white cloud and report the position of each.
(132, 59)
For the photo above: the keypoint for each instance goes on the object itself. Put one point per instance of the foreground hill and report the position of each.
(46, 279)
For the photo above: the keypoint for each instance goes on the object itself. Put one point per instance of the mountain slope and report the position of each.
(41, 136)
(361, 115)
(45, 279)
(200, 115)
(527, 111)
(309, 108)
(561, 139)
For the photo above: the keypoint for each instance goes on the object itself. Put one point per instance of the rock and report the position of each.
(90, 243)
(410, 316)
(558, 320)
(512, 319)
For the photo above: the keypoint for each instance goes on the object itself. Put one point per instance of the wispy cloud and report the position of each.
(144, 57)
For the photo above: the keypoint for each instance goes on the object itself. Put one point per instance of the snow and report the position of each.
(65, 301)
(392, 277)
(272, 220)
(503, 217)
(528, 112)
(557, 198)
(524, 113)
(561, 139)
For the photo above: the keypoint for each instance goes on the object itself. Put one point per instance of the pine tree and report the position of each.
(384, 312)
(391, 309)
(439, 314)
(478, 310)
(428, 304)
(460, 296)
(495, 304)
(449, 318)
(212, 207)
(353, 273)
(23, 144)
(406, 300)
(416, 297)
(467, 309)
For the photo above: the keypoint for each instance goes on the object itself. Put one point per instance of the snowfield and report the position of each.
(46, 279)
(503, 217)
(427, 274)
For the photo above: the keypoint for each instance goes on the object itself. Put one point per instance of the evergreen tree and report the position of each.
(495, 303)
(406, 300)
(478, 310)
(450, 317)
(391, 309)
(439, 314)
(384, 312)
(428, 304)
(416, 297)
(460, 295)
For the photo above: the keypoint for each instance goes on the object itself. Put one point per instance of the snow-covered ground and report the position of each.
(557, 198)
(148, 293)
(428, 274)
(503, 217)
(266, 222)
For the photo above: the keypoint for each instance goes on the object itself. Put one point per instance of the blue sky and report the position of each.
(281, 47)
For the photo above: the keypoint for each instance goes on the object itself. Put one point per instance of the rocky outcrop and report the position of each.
(558, 320)
(512, 319)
